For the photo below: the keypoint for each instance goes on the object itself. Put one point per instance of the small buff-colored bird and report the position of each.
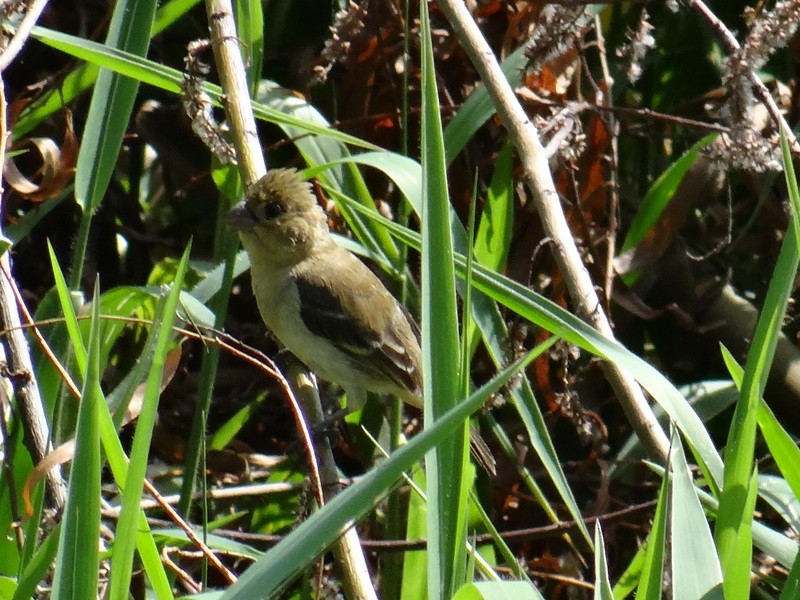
(323, 303)
(319, 300)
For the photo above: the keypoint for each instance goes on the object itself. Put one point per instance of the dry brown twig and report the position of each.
(252, 167)
(32, 12)
(19, 366)
(186, 528)
(540, 182)
(741, 64)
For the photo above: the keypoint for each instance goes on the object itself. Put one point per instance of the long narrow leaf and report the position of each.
(651, 577)
(696, 571)
(550, 316)
(445, 466)
(125, 541)
(155, 74)
(733, 519)
(791, 589)
(111, 442)
(38, 566)
(602, 586)
(301, 547)
(76, 570)
(112, 103)
(82, 78)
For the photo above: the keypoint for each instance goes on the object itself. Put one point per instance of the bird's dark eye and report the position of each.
(272, 209)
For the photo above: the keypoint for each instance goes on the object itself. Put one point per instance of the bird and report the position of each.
(322, 302)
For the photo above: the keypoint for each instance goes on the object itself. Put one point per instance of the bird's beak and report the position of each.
(240, 217)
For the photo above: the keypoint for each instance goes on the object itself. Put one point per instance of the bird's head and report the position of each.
(279, 216)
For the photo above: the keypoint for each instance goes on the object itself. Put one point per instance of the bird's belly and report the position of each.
(279, 308)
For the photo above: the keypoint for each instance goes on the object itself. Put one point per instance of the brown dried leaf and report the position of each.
(57, 166)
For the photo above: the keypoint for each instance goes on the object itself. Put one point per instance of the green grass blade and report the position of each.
(76, 567)
(118, 462)
(781, 446)
(38, 566)
(602, 586)
(112, 103)
(478, 107)
(249, 17)
(414, 582)
(737, 577)
(109, 113)
(157, 75)
(71, 320)
(82, 78)
(661, 193)
(733, 518)
(630, 578)
(791, 186)
(445, 467)
(125, 541)
(696, 571)
(465, 352)
(301, 547)
(651, 577)
(498, 590)
(791, 589)
(493, 239)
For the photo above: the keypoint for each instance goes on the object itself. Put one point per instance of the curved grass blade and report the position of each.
(82, 78)
(157, 75)
(279, 565)
(734, 517)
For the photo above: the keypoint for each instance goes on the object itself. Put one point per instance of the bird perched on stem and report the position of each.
(319, 300)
